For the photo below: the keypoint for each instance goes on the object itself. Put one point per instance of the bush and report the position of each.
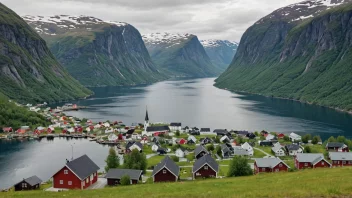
(175, 158)
(306, 138)
(177, 133)
(210, 147)
(307, 149)
(125, 180)
(315, 139)
(112, 161)
(217, 139)
(239, 167)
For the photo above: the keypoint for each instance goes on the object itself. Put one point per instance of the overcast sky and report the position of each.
(209, 19)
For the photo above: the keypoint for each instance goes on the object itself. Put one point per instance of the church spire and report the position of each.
(146, 116)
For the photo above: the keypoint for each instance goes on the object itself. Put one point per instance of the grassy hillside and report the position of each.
(14, 116)
(307, 183)
(308, 61)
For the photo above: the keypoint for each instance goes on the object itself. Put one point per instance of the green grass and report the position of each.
(258, 154)
(307, 183)
(155, 160)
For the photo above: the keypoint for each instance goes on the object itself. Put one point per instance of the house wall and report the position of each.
(340, 163)
(281, 167)
(321, 164)
(114, 182)
(202, 172)
(18, 187)
(76, 182)
(336, 149)
(303, 165)
(164, 177)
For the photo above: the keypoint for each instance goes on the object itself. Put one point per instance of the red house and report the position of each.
(340, 159)
(166, 171)
(79, 173)
(280, 136)
(337, 146)
(311, 160)
(7, 129)
(205, 167)
(181, 141)
(269, 165)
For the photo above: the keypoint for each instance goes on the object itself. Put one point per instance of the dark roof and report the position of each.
(158, 128)
(175, 124)
(83, 167)
(131, 143)
(34, 180)
(224, 148)
(199, 149)
(242, 132)
(205, 129)
(206, 159)
(119, 173)
(146, 116)
(220, 131)
(335, 145)
(168, 163)
(292, 147)
(130, 131)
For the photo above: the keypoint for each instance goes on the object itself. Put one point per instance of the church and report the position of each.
(153, 130)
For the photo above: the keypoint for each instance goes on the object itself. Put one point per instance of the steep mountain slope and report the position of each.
(180, 55)
(96, 52)
(28, 70)
(301, 52)
(220, 52)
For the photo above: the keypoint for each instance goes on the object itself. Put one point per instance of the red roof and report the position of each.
(21, 131)
(7, 129)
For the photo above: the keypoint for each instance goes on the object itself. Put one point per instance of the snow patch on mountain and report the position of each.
(217, 43)
(166, 38)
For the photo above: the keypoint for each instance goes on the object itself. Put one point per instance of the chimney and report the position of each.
(67, 161)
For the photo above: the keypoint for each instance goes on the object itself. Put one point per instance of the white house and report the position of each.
(206, 131)
(109, 130)
(175, 126)
(71, 130)
(106, 124)
(180, 153)
(295, 137)
(135, 146)
(155, 148)
(192, 139)
(293, 149)
(224, 139)
(136, 136)
(97, 126)
(248, 148)
(278, 150)
(270, 137)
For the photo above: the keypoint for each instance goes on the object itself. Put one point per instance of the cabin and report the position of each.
(293, 149)
(225, 151)
(175, 126)
(200, 151)
(114, 176)
(337, 147)
(31, 183)
(247, 147)
(340, 159)
(311, 160)
(130, 146)
(205, 131)
(205, 167)
(295, 137)
(180, 152)
(269, 165)
(79, 173)
(166, 171)
(278, 150)
(181, 141)
(191, 139)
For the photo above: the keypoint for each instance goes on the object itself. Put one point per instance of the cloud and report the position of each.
(216, 19)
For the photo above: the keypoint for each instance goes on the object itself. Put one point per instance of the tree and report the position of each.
(240, 140)
(125, 180)
(331, 139)
(210, 147)
(341, 139)
(177, 133)
(218, 150)
(315, 139)
(286, 138)
(112, 161)
(239, 167)
(136, 160)
(217, 139)
(307, 149)
(256, 133)
(306, 138)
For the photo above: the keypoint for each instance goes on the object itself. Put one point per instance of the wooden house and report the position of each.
(205, 167)
(31, 183)
(337, 147)
(340, 159)
(114, 176)
(269, 165)
(311, 160)
(166, 171)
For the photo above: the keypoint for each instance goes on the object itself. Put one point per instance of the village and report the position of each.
(175, 153)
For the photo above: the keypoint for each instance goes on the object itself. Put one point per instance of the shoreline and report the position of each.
(289, 99)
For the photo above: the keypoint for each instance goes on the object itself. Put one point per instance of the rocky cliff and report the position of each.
(301, 52)
(220, 52)
(28, 70)
(96, 52)
(180, 55)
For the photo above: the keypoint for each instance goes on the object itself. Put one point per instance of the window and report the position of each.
(164, 171)
(280, 165)
(263, 169)
(61, 181)
(87, 180)
(69, 183)
(24, 185)
(66, 172)
(277, 170)
(322, 163)
(343, 162)
(305, 164)
(205, 167)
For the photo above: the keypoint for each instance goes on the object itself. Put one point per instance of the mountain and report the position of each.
(97, 52)
(28, 70)
(301, 52)
(180, 55)
(220, 52)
